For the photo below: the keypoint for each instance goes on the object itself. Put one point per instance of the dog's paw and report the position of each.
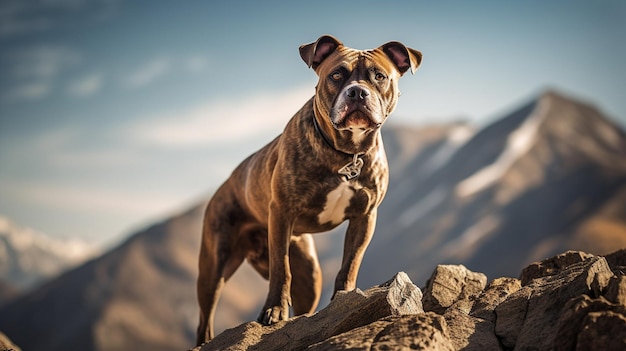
(273, 314)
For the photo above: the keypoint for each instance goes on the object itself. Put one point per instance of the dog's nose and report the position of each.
(356, 93)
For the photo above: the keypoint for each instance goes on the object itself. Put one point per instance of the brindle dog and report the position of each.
(327, 166)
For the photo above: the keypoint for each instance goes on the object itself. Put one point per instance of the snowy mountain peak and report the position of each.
(551, 132)
(28, 256)
(518, 143)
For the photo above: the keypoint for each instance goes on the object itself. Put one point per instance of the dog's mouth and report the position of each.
(355, 118)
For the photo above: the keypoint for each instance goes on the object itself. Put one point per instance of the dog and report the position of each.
(328, 166)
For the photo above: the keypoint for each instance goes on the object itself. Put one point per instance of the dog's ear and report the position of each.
(403, 57)
(314, 53)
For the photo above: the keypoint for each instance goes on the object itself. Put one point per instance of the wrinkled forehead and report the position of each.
(349, 59)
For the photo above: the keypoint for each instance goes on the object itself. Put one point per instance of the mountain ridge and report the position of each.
(29, 257)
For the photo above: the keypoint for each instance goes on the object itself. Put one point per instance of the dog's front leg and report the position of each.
(358, 236)
(276, 306)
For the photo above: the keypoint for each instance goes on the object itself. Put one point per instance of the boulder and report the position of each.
(425, 331)
(527, 318)
(452, 284)
(496, 292)
(6, 344)
(591, 324)
(347, 311)
(617, 261)
(551, 265)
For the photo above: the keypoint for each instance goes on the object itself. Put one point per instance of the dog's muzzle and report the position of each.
(355, 109)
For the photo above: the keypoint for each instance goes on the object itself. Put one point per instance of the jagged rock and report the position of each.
(603, 331)
(586, 322)
(616, 291)
(476, 330)
(6, 344)
(617, 261)
(347, 311)
(573, 301)
(496, 292)
(426, 331)
(470, 333)
(452, 284)
(527, 318)
(552, 265)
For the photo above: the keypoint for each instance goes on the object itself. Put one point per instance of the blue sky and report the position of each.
(114, 113)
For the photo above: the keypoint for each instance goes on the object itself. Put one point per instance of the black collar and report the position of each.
(325, 137)
(353, 168)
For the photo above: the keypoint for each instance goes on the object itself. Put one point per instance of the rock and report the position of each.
(452, 284)
(452, 291)
(496, 292)
(551, 265)
(426, 331)
(476, 330)
(590, 317)
(573, 301)
(471, 333)
(603, 331)
(6, 344)
(616, 291)
(617, 261)
(347, 311)
(527, 318)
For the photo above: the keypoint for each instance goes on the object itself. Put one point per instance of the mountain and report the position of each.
(140, 295)
(546, 178)
(28, 257)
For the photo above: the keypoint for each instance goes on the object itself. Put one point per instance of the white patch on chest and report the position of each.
(336, 203)
(358, 134)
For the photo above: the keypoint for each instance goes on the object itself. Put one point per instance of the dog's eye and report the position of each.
(379, 77)
(336, 76)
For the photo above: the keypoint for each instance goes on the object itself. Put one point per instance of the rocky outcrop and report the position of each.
(346, 313)
(573, 301)
(6, 344)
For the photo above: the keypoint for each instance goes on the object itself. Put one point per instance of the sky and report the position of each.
(116, 113)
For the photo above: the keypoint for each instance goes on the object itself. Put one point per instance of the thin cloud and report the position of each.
(17, 17)
(28, 91)
(27, 17)
(86, 199)
(43, 61)
(196, 63)
(33, 71)
(220, 121)
(148, 73)
(85, 86)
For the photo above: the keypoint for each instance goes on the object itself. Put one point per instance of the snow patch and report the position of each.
(422, 207)
(518, 143)
(465, 244)
(454, 140)
(36, 254)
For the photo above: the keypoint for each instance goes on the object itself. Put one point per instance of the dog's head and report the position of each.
(357, 89)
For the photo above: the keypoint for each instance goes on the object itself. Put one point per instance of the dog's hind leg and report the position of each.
(218, 261)
(306, 282)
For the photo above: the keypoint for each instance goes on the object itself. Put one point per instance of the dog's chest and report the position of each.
(337, 201)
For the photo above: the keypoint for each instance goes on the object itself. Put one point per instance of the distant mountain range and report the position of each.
(29, 257)
(548, 177)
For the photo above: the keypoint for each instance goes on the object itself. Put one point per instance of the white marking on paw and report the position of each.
(336, 203)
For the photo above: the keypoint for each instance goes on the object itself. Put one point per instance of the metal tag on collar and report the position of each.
(352, 169)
